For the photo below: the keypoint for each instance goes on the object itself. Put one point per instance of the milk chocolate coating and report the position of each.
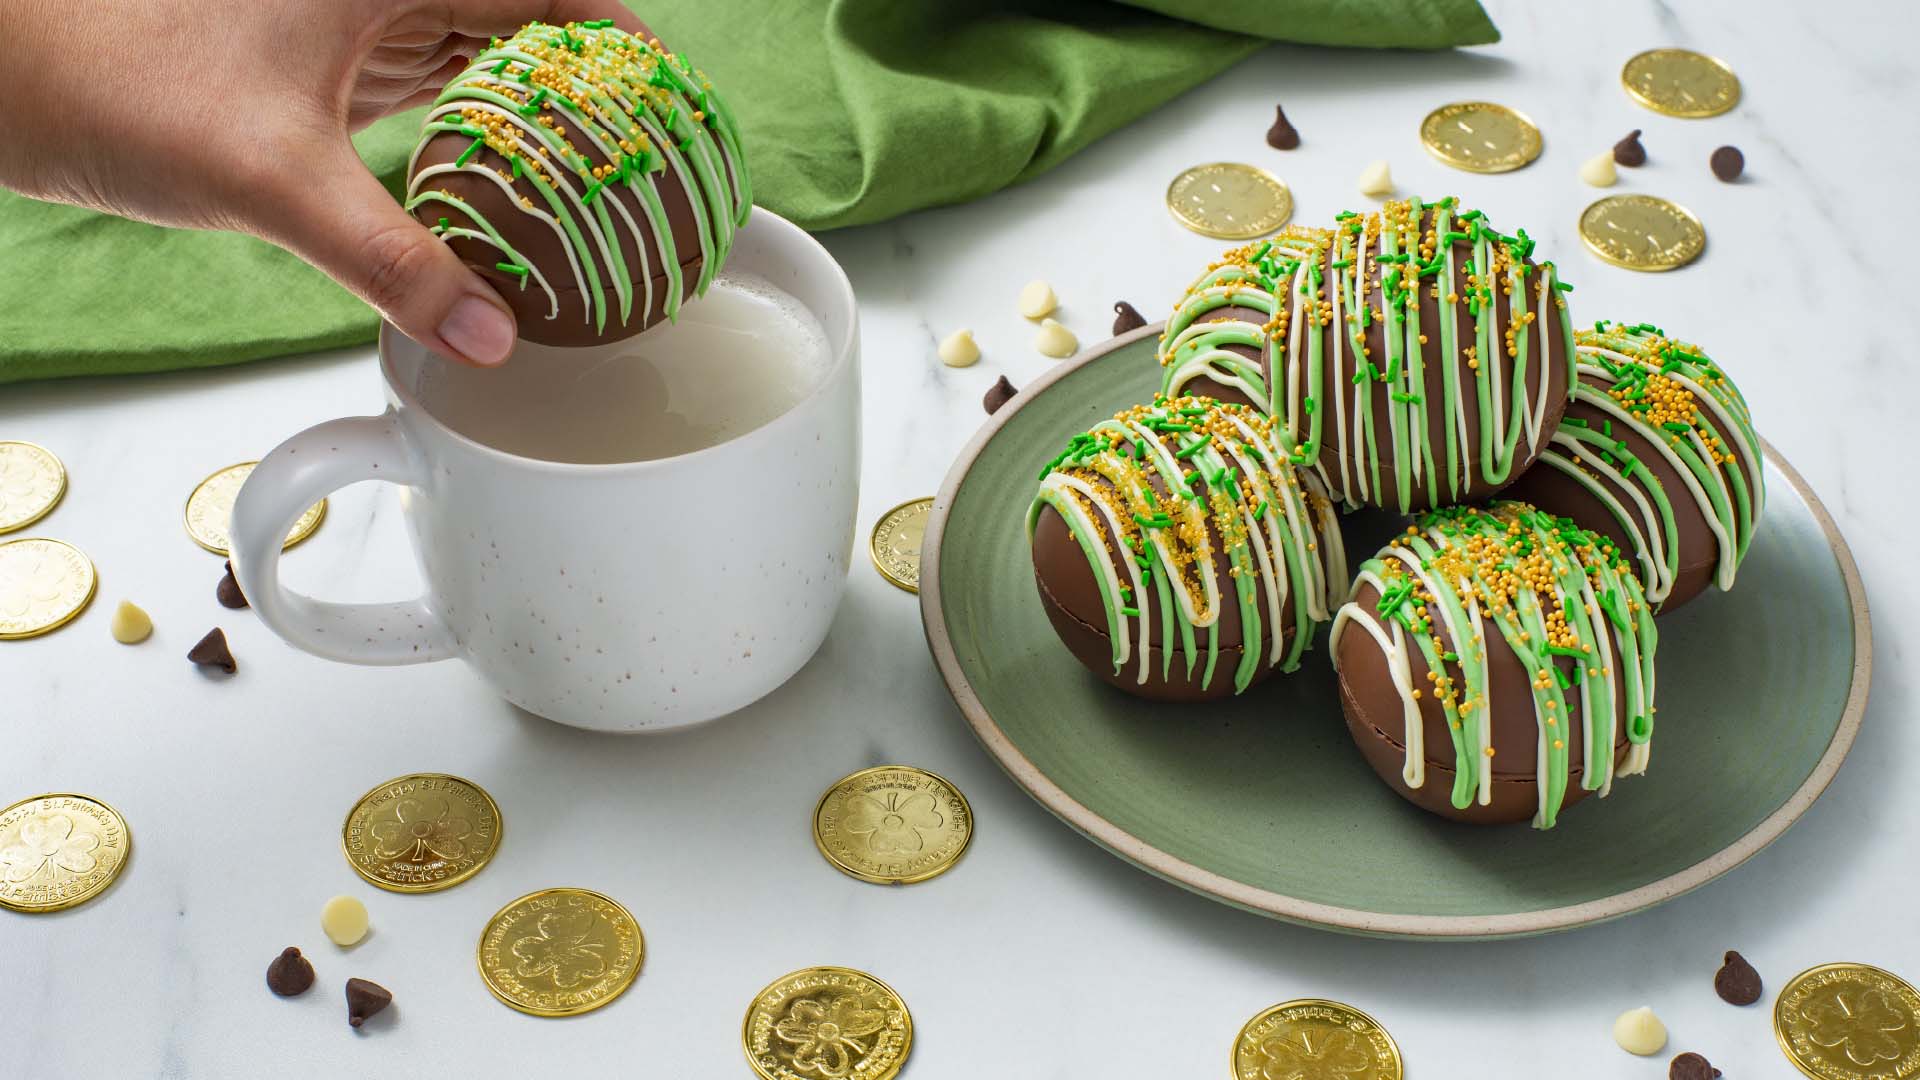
(1376, 719)
(1071, 597)
(1214, 391)
(1548, 363)
(537, 242)
(1557, 493)
(1300, 571)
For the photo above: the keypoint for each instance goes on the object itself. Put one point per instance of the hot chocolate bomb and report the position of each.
(1179, 555)
(1658, 453)
(1417, 356)
(593, 179)
(1496, 665)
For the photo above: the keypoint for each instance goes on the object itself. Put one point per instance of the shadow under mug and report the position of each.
(620, 597)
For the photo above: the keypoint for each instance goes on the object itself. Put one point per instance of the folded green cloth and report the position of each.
(853, 111)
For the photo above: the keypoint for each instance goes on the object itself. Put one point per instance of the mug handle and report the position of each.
(297, 474)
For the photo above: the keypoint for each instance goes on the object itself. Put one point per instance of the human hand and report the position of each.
(236, 114)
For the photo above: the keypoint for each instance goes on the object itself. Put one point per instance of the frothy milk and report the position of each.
(738, 357)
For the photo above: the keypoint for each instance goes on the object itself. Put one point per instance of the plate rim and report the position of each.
(1292, 909)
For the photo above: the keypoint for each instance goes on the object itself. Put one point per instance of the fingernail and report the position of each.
(478, 331)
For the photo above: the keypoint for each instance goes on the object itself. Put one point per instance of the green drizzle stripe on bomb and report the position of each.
(1565, 602)
(1148, 494)
(1313, 283)
(1674, 395)
(644, 111)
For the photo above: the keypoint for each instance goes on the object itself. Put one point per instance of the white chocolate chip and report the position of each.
(131, 626)
(1037, 300)
(1055, 340)
(959, 350)
(1599, 170)
(1376, 179)
(344, 920)
(1640, 1032)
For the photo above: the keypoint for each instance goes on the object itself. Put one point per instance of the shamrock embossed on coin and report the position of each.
(48, 840)
(57, 851)
(561, 949)
(421, 833)
(560, 952)
(1840, 1021)
(893, 825)
(827, 1023)
(828, 1037)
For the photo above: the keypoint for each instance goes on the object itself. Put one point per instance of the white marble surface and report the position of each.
(1040, 956)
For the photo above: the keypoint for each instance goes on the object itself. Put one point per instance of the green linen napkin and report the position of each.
(853, 111)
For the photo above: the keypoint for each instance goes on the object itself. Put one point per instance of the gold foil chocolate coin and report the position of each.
(1642, 232)
(896, 543)
(560, 952)
(1312, 1037)
(43, 585)
(1480, 136)
(31, 483)
(58, 851)
(1229, 200)
(827, 1023)
(421, 833)
(1681, 82)
(893, 825)
(210, 510)
(1849, 1022)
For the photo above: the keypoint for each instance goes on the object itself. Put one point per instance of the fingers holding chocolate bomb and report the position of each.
(1416, 356)
(1658, 453)
(1496, 665)
(593, 178)
(1178, 553)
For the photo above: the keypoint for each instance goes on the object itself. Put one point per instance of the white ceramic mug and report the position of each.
(621, 597)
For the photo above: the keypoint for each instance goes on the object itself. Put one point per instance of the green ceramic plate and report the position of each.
(1263, 803)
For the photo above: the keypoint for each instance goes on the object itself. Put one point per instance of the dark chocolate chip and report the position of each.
(1282, 136)
(212, 651)
(364, 999)
(1691, 1066)
(1629, 152)
(228, 591)
(1125, 318)
(1736, 982)
(997, 395)
(1727, 163)
(290, 973)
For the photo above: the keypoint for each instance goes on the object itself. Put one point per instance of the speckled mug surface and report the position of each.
(632, 596)
(1263, 802)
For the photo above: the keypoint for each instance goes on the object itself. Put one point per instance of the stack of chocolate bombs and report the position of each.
(1560, 489)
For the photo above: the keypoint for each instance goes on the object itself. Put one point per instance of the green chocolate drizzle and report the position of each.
(538, 102)
(1150, 497)
(1563, 599)
(1377, 402)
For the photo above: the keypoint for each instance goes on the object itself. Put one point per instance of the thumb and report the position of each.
(339, 218)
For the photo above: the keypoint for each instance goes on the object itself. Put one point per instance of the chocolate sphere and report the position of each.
(1179, 555)
(591, 178)
(1416, 356)
(1658, 453)
(1496, 665)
